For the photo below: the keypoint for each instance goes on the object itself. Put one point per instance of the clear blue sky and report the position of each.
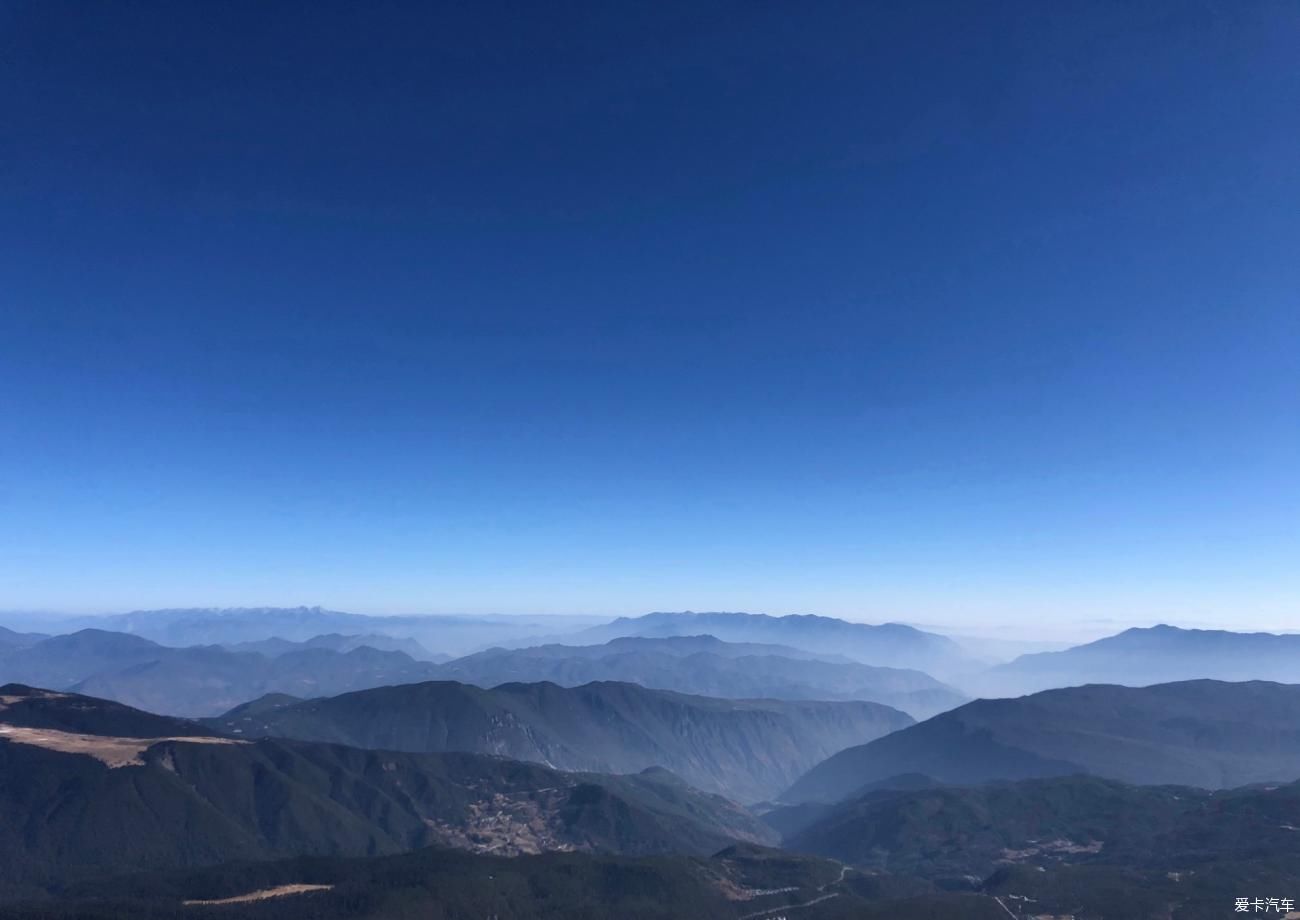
(973, 314)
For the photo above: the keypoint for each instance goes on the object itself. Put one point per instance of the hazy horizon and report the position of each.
(1051, 633)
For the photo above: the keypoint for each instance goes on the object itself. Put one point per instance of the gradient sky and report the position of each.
(980, 315)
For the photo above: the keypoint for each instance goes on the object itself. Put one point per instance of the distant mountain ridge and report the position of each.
(208, 680)
(708, 666)
(1209, 734)
(680, 646)
(197, 680)
(337, 642)
(888, 644)
(746, 750)
(440, 634)
(11, 639)
(1153, 655)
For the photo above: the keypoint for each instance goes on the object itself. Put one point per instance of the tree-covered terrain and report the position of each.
(89, 787)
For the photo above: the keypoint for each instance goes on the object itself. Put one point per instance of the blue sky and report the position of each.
(975, 315)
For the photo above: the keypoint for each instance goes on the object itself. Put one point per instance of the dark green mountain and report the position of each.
(747, 750)
(1065, 847)
(79, 797)
(1204, 733)
(710, 667)
(1078, 846)
(970, 831)
(739, 883)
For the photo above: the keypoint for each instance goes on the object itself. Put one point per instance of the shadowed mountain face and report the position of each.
(1209, 734)
(1160, 654)
(747, 750)
(72, 806)
(887, 645)
(710, 667)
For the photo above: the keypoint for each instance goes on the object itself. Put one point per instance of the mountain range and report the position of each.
(1204, 733)
(89, 787)
(707, 666)
(337, 642)
(887, 645)
(208, 680)
(198, 680)
(1062, 847)
(746, 750)
(440, 634)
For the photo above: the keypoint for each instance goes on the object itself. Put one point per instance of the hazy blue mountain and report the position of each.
(197, 800)
(708, 666)
(680, 646)
(1202, 733)
(207, 680)
(204, 681)
(11, 639)
(747, 750)
(337, 642)
(198, 680)
(1159, 654)
(887, 645)
(61, 661)
(453, 635)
